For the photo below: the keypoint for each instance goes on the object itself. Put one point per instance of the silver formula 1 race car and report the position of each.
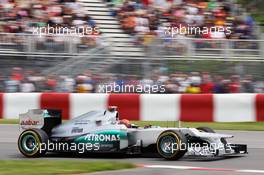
(102, 132)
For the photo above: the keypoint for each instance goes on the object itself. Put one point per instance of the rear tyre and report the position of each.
(31, 142)
(172, 145)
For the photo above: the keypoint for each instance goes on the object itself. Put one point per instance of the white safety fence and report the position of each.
(146, 107)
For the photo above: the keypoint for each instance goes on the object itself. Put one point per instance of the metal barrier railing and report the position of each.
(11, 43)
(167, 48)
(207, 48)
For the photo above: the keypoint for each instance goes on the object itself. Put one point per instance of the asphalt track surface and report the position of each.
(254, 161)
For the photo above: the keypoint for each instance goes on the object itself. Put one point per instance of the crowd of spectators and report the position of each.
(194, 82)
(147, 20)
(51, 17)
(151, 19)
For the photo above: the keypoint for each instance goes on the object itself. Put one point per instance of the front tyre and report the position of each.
(172, 145)
(31, 141)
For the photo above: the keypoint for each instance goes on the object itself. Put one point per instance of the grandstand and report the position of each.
(132, 40)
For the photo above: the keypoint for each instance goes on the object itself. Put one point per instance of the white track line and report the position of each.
(201, 168)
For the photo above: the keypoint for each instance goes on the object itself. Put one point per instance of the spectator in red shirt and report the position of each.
(17, 74)
(51, 84)
(207, 86)
(146, 2)
(234, 85)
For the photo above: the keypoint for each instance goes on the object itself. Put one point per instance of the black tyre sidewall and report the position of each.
(40, 136)
(181, 139)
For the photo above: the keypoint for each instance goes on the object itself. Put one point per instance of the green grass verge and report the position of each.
(8, 121)
(247, 126)
(57, 167)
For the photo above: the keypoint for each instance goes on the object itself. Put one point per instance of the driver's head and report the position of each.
(125, 122)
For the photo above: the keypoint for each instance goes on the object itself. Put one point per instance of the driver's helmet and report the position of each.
(125, 122)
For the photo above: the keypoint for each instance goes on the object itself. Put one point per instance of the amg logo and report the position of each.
(29, 122)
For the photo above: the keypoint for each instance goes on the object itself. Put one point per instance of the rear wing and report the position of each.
(44, 119)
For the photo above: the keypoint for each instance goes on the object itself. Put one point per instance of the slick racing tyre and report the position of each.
(171, 145)
(31, 141)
